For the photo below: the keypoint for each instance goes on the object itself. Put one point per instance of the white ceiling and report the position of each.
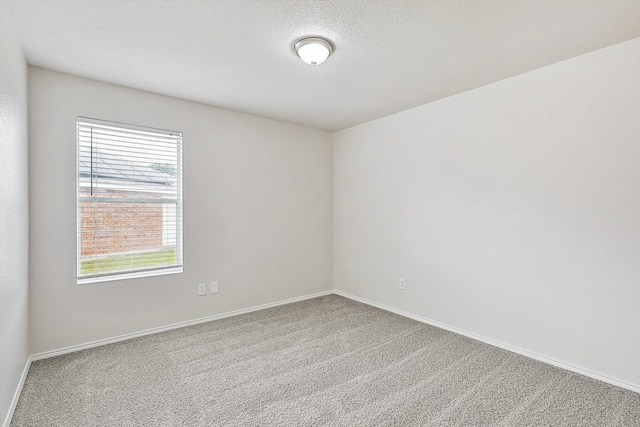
(390, 55)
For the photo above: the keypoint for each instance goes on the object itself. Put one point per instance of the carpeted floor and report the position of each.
(328, 361)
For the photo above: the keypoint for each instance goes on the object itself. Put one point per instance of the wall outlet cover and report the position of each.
(202, 289)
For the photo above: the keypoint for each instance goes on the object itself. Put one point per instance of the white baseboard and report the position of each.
(74, 348)
(494, 343)
(16, 395)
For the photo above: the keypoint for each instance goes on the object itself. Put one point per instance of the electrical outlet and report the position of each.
(202, 289)
(403, 284)
(214, 287)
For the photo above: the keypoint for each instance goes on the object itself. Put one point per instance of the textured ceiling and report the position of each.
(390, 54)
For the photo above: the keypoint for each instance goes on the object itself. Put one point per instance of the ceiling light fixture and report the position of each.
(313, 50)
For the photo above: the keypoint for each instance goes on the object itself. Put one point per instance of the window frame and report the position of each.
(179, 208)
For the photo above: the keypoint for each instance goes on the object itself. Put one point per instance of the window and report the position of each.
(129, 201)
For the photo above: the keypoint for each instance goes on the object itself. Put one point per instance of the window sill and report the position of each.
(125, 276)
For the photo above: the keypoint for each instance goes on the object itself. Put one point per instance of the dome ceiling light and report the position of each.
(313, 50)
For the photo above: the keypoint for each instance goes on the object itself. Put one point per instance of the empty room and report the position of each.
(320, 213)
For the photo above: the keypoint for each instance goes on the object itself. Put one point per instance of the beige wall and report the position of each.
(257, 213)
(14, 213)
(512, 211)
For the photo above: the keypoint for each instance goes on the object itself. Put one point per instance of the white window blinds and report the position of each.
(129, 201)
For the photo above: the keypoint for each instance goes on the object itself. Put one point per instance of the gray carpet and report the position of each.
(328, 361)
